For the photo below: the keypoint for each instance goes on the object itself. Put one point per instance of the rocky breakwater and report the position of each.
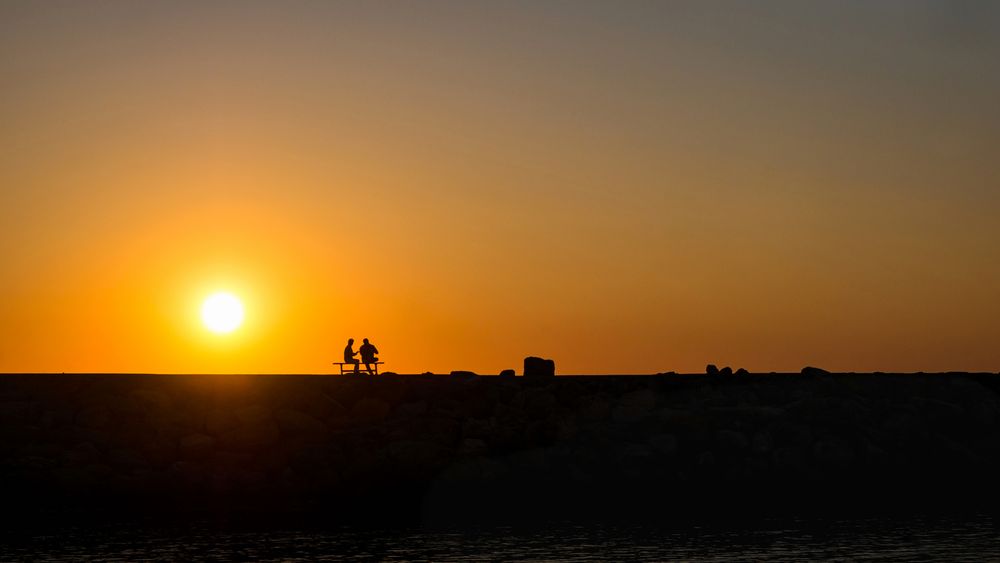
(465, 448)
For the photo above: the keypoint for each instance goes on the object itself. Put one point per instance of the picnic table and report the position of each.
(350, 369)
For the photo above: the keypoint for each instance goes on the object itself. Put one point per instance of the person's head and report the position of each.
(350, 341)
(366, 341)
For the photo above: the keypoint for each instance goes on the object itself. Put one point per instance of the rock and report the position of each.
(227, 459)
(188, 472)
(414, 455)
(253, 437)
(96, 416)
(333, 408)
(298, 423)
(941, 410)
(126, 458)
(477, 428)
(732, 439)
(83, 453)
(159, 451)
(706, 459)
(42, 450)
(465, 470)
(33, 464)
(195, 446)
(427, 373)
(370, 410)
(464, 375)
(539, 402)
(635, 405)
(171, 424)
(97, 474)
(152, 399)
(508, 373)
(742, 372)
(710, 369)
(636, 451)
(438, 430)
(787, 460)
(726, 371)
(53, 418)
(836, 453)
(446, 407)
(539, 367)
(249, 479)
(317, 405)
(533, 461)
(813, 371)
(984, 413)
(408, 410)
(566, 428)
(595, 408)
(580, 476)
(474, 447)
(253, 415)
(219, 422)
(19, 411)
(762, 442)
(664, 443)
(875, 456)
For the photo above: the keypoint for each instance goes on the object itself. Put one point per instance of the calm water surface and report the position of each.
(925, 539)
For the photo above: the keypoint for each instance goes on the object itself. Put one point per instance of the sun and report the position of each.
(222, 312)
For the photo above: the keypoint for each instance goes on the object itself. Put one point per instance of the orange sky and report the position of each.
(623, 187)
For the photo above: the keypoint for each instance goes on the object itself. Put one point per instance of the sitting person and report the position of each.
(368, 352)
(349, 354)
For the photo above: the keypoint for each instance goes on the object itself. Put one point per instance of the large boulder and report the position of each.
(539, 367)
(298, 423)
(95, 416)
(634, 405)
(252, 437)
(195, 446)
(370, 410)
(463, 375)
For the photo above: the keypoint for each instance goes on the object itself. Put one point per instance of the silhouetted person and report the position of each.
(349, 354)
(368, 352)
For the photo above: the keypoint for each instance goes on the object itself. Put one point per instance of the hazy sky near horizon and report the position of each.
(620, 186)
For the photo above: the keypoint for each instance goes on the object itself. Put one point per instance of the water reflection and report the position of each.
(966, 539)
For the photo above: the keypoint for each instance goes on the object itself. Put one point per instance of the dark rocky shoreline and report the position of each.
(482, 449)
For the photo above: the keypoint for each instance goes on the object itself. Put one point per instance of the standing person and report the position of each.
(349, 354)
(368, 352)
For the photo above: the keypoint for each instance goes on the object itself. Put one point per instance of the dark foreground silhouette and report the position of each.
(495, 449)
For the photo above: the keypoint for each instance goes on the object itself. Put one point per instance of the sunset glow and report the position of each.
(623, 187)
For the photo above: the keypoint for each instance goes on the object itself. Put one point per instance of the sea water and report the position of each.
(974, 538)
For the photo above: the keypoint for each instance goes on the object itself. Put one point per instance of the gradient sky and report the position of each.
(625, 187)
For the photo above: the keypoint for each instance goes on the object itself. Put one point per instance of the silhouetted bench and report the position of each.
(346, 367)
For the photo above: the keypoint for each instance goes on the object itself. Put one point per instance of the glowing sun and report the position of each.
(222, 312)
